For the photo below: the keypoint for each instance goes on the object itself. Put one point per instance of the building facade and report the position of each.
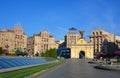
(20, 38)
(61, 43)
(7, 38)
(104, 41)
(30, 45)
(71, 38)
(117, 41)
(14, 38)
(38, 43)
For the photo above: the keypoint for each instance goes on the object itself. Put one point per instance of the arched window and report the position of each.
(93, 33)
(100, 32)
(96, 33)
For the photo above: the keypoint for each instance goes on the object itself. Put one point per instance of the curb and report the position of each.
(21, 67)
(43, 72)
(108, 67)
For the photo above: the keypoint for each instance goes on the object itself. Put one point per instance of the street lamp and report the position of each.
(7, 46)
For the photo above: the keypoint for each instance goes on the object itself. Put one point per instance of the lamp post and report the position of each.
(7, 46)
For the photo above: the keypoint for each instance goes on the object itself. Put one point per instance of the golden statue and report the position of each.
(81, 33)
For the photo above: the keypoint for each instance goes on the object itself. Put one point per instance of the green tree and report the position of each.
(50, 53)
(1, 51)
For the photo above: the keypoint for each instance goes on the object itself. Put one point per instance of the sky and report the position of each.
(57, 16)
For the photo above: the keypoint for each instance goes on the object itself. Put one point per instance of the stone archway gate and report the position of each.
(82, 45)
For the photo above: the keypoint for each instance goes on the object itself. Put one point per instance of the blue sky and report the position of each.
(57, 16)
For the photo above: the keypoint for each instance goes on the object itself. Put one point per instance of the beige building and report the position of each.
(80, 48)
(40, 42)
(61, 43)
(72, 37)
(30, 45)
(52, 43)
(20, 38)
(104, 41)
(7, 39)
(117, 38)
(13, 39)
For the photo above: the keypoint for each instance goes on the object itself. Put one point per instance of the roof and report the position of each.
(36, 34)
(10, 31)
(6, 31)
(51, 36)
(72, 28)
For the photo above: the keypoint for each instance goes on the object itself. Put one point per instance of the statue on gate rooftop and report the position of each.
(81, 33)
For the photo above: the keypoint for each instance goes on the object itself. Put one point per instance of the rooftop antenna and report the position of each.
(43, 29)
(95, 28)
(100, 27)
(18, 24)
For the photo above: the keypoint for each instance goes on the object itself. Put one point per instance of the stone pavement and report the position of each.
(77, 68)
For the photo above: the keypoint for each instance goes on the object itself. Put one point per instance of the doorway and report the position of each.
(82, 54)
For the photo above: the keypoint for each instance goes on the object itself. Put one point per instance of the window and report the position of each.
(93, 33)
(100, 32)
(97, 33)
(63, 53)
(68, 54)
(67, 50)
(81, 41)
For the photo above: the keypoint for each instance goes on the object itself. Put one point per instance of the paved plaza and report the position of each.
(77, 68)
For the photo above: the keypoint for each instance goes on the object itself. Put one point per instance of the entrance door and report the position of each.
(81, 54)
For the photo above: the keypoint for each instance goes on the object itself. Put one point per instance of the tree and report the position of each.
(1, 51)
(117, 53)
(6, 52)
(37, 54)
(50, 53)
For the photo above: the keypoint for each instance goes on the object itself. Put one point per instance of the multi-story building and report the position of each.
(20, 38)
(7, 39)
(61, 43)
(104, 41)
(13, 39)
(117, 38)
(40, 42)
(30, 45)
(72, 37)
(52, 43)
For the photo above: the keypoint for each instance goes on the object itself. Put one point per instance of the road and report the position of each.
(76, 68)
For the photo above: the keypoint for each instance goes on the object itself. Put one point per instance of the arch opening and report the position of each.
(82, 55)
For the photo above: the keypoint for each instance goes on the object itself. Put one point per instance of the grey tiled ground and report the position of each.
(76, 68)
